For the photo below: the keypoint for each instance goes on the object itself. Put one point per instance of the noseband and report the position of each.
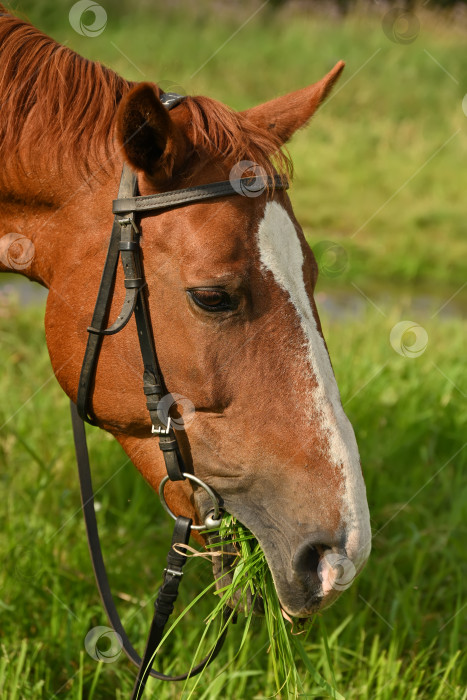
(125, 243)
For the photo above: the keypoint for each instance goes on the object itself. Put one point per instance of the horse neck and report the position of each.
(49, 210)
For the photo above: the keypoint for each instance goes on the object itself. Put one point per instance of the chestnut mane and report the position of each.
(75, 102)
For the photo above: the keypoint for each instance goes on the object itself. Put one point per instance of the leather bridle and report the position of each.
(125, 243)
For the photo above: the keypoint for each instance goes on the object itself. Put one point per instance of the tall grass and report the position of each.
(398, 632)
(245, 588)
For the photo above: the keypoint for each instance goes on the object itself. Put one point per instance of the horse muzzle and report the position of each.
(319, 573)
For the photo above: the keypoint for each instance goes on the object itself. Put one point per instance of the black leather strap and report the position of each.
(128, 183)
(124, 241)
(171, 99)
(168, 591)
(191, 195)
(87, 503)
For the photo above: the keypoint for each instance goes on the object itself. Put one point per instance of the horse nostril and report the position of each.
(306, 561)
(325, 571)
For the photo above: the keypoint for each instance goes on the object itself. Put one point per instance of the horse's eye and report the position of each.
(212, 299)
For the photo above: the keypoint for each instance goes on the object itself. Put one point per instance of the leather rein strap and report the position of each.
(167, 594)
(125, 243)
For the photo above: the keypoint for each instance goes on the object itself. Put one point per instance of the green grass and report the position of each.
(397, 633)
(250, 589)
(386, 131)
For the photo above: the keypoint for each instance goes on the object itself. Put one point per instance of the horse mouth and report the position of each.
(249, 599)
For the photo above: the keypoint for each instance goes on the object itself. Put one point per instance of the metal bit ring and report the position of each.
(214, 519)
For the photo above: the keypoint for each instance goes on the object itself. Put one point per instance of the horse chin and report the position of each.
(318, 605)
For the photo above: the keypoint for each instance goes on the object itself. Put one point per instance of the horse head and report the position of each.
(230, 286)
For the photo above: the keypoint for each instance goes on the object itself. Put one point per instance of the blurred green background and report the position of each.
(379, 188)
(395, 123)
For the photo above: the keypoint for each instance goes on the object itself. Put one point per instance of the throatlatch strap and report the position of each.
(128, 183)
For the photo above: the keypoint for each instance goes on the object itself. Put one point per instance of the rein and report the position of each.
(125, 243)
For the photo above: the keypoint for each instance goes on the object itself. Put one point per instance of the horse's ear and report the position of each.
(150, 140)
(284, 115)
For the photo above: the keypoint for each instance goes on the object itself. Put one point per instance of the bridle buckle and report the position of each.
(160, 430)
(129, 221)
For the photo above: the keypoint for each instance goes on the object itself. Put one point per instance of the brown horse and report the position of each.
(230, 286)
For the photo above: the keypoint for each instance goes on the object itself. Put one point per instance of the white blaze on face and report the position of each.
(281, 254)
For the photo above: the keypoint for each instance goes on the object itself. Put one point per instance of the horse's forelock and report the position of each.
(233, 137)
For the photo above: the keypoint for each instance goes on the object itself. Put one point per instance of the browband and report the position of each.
(248, 186)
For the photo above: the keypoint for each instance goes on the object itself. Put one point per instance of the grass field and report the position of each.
(397, 633)
(381, 173)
